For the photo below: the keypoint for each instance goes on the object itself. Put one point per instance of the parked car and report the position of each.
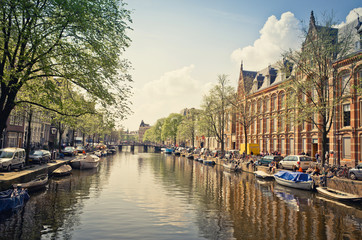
(296, 161)
(268, 159)
(12, 158)
(39, 156)
(80, 149)
(70, 151)
(355, 173)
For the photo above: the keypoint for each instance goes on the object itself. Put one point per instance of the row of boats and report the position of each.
(16, 196)
(298, 180)
(304, 181)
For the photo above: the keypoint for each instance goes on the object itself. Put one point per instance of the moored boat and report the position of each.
(38, 183)
(263, 175)
(295, 180)
(190, 156)
(63, 170)
(231, 167)
(209, 162)
(88, 162)
(13, 198)
(168, 150)
(338, 195)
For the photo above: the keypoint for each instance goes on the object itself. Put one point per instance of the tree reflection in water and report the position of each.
(176, 198)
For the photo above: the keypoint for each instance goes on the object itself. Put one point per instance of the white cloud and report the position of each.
(276, 36)
(172, 92)
(352, 16)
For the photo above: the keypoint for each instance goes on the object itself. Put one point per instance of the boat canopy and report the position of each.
(294, 176)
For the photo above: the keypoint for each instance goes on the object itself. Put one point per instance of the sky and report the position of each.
(180, 47)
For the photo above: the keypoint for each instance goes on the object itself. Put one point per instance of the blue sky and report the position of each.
(179, 47)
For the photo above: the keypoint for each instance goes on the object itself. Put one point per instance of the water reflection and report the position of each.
(154, 196)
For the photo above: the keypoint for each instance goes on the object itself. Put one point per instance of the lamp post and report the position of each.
(339, 139)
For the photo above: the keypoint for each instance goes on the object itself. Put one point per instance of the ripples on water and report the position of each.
(154, 196)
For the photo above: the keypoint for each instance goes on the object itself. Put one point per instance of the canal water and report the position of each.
(156, 196)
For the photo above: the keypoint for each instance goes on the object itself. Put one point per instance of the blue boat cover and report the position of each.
(294, 176)
(13, 198)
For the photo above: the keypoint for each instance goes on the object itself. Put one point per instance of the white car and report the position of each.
(296, 161)
(12, 158)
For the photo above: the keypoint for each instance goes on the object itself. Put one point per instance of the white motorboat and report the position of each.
(263, 175)
(295, 180)
(88, 162)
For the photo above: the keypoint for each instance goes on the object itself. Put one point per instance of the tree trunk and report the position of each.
(246, 139)
(61, 131)
(28, 137)
(324, 147)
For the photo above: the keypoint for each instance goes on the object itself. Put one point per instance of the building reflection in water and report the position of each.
(237, 206)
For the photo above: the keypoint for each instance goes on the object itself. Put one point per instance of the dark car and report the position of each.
(356, 173)
(268, 159)
(39, 156)
(70, 151)
(80, 149)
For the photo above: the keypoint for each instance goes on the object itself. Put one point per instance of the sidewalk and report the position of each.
(29, 172)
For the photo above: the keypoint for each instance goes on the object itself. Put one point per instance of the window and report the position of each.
(261, 125)
(360, 113)
(260, 144)
(282, 101)
(281, 120)
(266, 105)
(266, 125)
(275, 125)
(274, 101)
(346, 152)
(255, 126)
(304, 144)
(282, 148)
(275, 144)
(346, 115)
(345, 84)
(291, 145)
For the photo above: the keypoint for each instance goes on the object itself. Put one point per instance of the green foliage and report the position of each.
(78, 41)
(215, 107)
(170, 126)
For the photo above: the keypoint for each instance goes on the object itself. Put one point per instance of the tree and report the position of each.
(170, 126)
(215, 106)
(187, 128)
(313, 91)
(80, 41)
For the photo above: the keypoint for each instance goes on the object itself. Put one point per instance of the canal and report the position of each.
(156, 196)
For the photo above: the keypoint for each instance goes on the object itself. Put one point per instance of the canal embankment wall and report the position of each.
(7, 179)
(341, 184)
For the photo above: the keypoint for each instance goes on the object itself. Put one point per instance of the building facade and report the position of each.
(142, 129)
(266, 99)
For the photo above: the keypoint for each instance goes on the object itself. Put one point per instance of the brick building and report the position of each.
(262, 91)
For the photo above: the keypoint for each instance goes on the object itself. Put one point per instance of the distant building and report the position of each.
(14, 132)
(143, 128)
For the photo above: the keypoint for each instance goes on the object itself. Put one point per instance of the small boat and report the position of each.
(177, 153)
(12, 199)
(209, 162)
(63, 170)
(168, 150)
(98, 153)
(295, 180)
(88, 162)
(38, 183)
(263, 175)
(338, 195)
(190, 156)
(232, 167)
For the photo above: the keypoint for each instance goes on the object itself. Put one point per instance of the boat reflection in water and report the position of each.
(159, 196)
